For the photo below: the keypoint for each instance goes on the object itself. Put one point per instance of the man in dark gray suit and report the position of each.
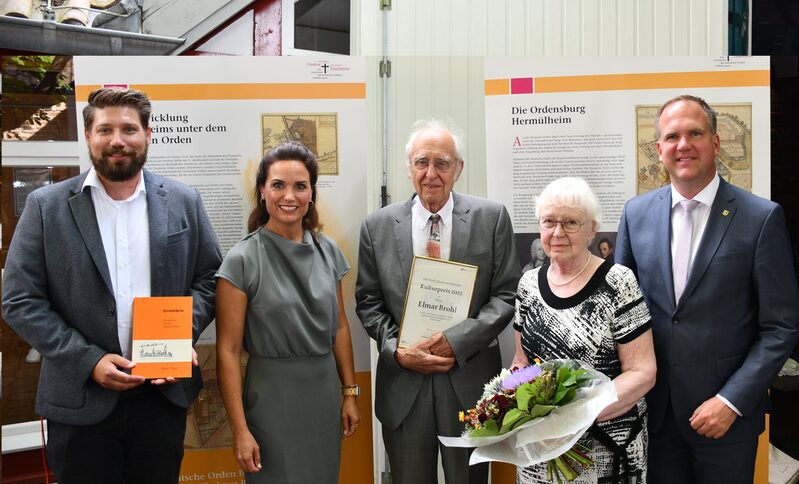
(724, 329)
(83, 249)
(421, 389)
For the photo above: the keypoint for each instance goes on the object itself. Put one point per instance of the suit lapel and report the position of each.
(158, 215)
(721, 214)
(82, 208)
(403, 234)
(662, 215)
(461, 219)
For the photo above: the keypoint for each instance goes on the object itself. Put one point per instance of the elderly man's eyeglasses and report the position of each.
(569, 226)
(440, 164)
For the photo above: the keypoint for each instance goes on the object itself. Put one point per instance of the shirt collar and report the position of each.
(422, 215)
(93, 181)
(705, 197)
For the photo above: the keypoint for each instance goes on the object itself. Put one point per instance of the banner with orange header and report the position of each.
(162, 337)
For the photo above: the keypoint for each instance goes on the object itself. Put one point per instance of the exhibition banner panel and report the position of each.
(211, 133)
(594, 118)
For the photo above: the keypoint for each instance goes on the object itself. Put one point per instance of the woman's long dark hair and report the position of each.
(288, 151)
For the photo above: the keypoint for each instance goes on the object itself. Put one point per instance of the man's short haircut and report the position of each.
(423, 125)
(605, 240)
(572, 192)
(711, 113)
(118, 97)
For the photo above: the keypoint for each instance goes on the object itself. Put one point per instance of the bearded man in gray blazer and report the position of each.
(420, 389)
(724, 329)
(83, 249)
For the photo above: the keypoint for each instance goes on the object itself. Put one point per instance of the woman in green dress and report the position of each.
(279, 295)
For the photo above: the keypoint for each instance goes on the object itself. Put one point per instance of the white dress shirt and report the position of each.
(420, 226)
(699, 218)
(125, 230)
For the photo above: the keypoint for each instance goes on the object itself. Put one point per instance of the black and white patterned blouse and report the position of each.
(587, 326)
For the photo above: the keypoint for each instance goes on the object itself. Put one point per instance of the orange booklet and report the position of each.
(162, 337)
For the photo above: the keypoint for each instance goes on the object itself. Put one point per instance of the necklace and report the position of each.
(573, 278)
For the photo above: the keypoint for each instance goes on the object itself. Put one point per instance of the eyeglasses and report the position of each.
(569, 226)
(440, 164)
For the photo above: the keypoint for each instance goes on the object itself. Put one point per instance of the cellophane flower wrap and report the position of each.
(537, 414)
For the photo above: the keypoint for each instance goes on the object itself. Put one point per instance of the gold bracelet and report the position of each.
(351, 390)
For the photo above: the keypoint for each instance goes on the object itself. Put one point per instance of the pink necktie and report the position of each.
(434, 240)
(684, 228)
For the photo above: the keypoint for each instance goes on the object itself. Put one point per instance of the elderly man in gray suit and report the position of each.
(715, 266)
(421, 389)
(83, 249)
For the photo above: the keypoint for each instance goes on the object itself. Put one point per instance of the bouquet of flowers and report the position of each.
(536, 414)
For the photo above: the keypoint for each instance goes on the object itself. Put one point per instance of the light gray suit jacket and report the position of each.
(736, 323)
(482, 235)
(58, 296)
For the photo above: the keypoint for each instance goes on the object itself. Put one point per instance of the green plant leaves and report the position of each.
(489, 429)
(564, 396)
(524, 393)
(541, 410)
(513, 419)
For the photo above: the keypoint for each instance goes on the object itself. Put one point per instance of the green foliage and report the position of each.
(513, 419)
(540, 410)
(41, 77)
(489, 429)
(565, 395)
(524, 393)
(24, 73)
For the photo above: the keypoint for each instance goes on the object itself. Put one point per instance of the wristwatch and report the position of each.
(351, 390)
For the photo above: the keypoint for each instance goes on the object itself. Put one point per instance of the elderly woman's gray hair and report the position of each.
(423, 125)
(572, 192)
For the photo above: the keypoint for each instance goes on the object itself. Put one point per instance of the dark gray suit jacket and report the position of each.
(57, 292)
(736, 323)
(482, 235)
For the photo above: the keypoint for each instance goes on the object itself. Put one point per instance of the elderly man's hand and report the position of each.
(713, 418)
(439, 346)
(420, 358)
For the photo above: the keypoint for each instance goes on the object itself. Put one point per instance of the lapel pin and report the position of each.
(725, 212)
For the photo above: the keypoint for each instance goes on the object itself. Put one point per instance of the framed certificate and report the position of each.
(438, 297)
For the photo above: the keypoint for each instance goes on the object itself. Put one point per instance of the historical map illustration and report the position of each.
(734, 162)
(319, 132)
(207, 424)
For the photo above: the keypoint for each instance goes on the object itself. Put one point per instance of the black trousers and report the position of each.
(140, 442)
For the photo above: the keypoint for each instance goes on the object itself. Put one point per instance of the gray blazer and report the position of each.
(482, 235)
(736, 323)
(57, 292)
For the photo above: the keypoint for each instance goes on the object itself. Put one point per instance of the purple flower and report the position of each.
(522, 375)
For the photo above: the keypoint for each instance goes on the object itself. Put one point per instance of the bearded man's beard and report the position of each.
(118, 172)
